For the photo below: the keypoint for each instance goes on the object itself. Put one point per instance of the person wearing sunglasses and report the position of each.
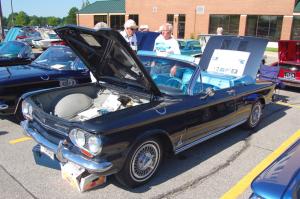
(129, 35)
(165, 42)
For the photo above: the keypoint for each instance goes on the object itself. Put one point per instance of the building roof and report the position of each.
(297, 7)
(104, 6)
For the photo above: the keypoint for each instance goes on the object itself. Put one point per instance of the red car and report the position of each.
(289, 62)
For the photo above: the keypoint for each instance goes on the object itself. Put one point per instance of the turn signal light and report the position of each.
(86, 153)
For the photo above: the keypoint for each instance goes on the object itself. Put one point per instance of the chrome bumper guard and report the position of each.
(63, 154)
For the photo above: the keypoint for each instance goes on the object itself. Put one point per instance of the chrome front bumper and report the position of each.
(287, 82)
(63, 154)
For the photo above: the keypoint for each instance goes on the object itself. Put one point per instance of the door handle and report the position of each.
(231, 92)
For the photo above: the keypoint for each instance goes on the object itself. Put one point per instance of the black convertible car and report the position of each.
(57, 66)
(139, 110)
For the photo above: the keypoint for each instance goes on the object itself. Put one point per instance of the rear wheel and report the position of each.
(255, 116)
(141, 164)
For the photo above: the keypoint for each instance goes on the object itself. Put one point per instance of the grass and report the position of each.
(271, 49)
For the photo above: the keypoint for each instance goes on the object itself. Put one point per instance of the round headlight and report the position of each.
(95, 145)
(78, 137)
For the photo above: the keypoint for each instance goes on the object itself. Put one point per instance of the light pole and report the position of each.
(1, 22)
(12, 12)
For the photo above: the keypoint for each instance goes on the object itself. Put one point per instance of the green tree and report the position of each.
(22, 19)
(53, 21)
(11, 20)
(43, 21)
(71, 18)
(4, 22)
(34, 21)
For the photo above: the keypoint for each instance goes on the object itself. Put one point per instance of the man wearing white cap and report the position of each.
(129, 33)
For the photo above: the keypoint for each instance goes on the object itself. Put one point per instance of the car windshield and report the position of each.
(182, 44)
(171, 76)
(52, 36)
(11, 49)
(57, 58)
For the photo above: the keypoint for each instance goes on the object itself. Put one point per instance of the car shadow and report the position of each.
(178, 164)
(3, 132)
(291, 89)
(10, 118)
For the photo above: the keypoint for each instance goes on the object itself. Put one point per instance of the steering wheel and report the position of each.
(174, 82)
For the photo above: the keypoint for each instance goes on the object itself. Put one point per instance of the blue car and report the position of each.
(281, 179)
(189, 47)
(15, 53)
(56, 67)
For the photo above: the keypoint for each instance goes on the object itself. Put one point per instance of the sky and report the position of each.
(41, 8)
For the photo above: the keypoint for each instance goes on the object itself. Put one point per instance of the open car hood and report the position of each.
(232, 55)
(108, 56)
(289, 51)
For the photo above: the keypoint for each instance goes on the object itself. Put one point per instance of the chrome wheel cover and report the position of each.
(145, 161)
(255, 114)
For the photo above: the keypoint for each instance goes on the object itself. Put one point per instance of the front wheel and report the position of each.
(141, 164)
(255, 116)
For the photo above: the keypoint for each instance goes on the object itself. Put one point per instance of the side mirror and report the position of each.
(210, 91)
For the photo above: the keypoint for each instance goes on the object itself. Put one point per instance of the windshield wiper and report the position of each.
(43, 65)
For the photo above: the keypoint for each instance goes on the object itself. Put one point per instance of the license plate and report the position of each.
(72, 173)
(47, 152)
(289, 75)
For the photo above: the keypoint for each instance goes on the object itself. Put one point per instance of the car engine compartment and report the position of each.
(107, 101)
(87, 102)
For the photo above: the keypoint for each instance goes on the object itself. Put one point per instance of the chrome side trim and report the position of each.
(3, 106)
(63, 154)
(185, 147)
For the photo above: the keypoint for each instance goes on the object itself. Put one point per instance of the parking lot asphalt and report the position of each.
(208, 170)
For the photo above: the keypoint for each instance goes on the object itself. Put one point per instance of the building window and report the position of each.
(117, 22)
(229, 23)
(296, 28)
(181, 26)
(264, 26)
(100, 18)
(134, 18)
(170, 19)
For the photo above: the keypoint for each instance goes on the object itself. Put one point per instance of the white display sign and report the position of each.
(229, 62)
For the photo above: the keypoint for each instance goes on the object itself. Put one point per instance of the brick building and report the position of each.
(276, 19)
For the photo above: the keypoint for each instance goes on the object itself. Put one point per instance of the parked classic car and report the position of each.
(58, 66)
(49, 38)
(15, 53)
(282, 178)
(126, 122)
(189, 47)
(289, 62)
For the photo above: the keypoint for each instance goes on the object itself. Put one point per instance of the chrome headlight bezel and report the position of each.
(27, 110)
(86, 141)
